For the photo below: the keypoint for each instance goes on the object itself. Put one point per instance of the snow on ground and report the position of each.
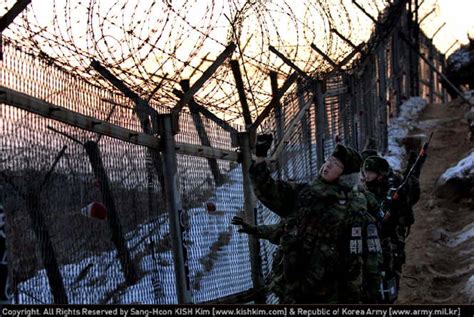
(80, 290)
(459, 237)
(469, 288)
(462, 239)
(99, 279)
(469, 94)
(96, 278)
(399, 128)
(464, 169)
(231, 271)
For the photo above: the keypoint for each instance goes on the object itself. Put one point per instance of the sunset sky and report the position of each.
(458, 15)
(142, 42)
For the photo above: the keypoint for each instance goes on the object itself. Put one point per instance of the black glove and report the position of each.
(246, 228)
(264, 142)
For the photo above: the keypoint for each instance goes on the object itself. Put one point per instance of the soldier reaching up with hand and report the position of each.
(328, 243)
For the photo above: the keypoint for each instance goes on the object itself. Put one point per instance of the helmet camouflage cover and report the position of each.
(376, 164)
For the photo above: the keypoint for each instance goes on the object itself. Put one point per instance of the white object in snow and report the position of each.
(464, 169)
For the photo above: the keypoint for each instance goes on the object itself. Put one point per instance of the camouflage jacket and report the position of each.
(329, 250)
(271, 233)
(394, 230)
(401, 210)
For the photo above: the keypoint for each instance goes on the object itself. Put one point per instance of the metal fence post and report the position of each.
(201, 130)
(371, 100)
(364, 104)
(343, 100)
(46, 248)
(175, 210)
(414, 31)
(432, 72)
(443, 69)
(318, 100)
(383, 145)
(250, 213)
(3, 253)
(279, 121)
(305, 126)
(130, 272)
(353, 112)
(396, 72)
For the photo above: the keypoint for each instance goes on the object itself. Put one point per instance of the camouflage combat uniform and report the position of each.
(394, 230)
(329, 250)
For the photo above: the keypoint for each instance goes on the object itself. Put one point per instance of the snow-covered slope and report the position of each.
(399, 128)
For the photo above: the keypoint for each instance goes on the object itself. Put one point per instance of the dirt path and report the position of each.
(437, 270)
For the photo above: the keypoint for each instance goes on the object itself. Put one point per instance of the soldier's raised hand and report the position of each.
(246, 228)
(264, 142)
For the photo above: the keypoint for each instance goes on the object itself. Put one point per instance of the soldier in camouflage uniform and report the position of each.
(329, 251)
(372, 281)
(273, 234)
(379, 178)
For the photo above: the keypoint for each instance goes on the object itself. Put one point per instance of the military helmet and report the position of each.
(376, 164)
(350, 158)
(368, 152)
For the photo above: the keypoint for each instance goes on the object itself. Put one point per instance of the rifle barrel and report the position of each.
(425, 145)
(423, 151)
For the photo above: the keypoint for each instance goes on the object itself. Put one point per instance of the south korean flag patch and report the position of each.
(355, 245)
(373, 241)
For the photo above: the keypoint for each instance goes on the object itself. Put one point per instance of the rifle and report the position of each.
(394, 193)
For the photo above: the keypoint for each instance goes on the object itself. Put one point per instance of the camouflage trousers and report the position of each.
(393, 249)
(399, 256)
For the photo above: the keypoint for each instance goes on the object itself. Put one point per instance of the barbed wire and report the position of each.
(145, 43)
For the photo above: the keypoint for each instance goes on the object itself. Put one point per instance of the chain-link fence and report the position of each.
(91, 218)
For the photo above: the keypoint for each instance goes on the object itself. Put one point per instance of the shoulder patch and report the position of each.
(356, 232)
(355, 244)
(372, 230)
(373, 241)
